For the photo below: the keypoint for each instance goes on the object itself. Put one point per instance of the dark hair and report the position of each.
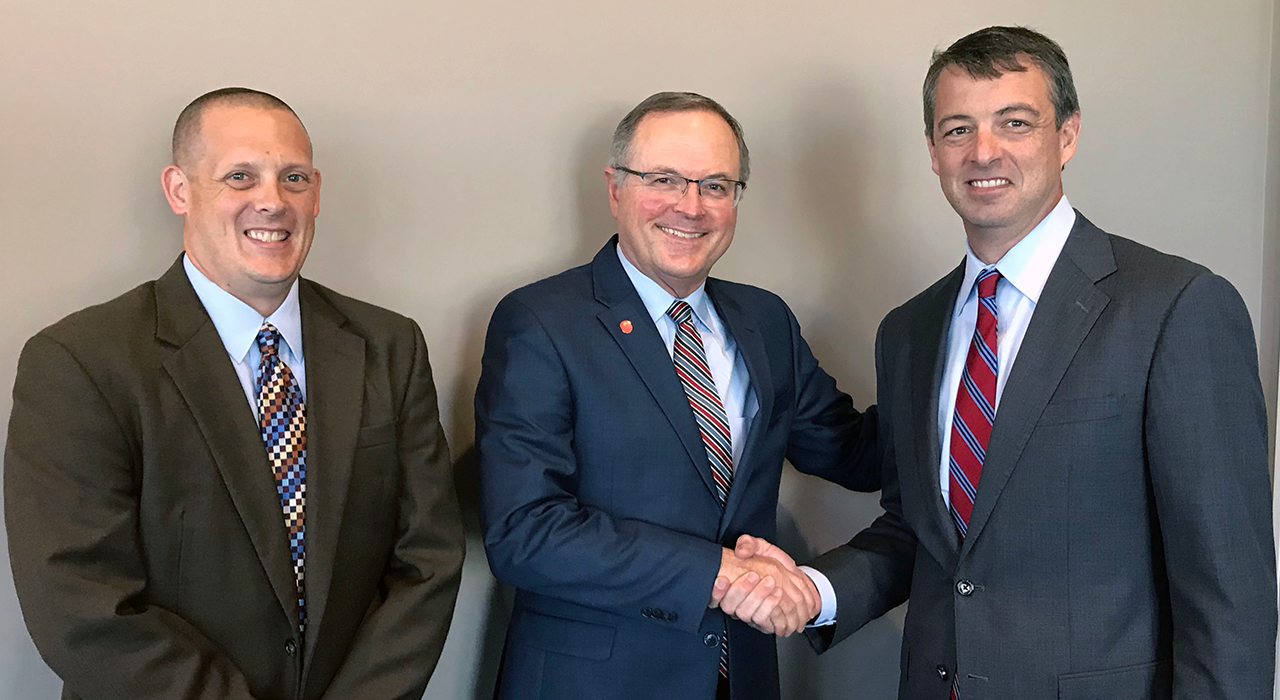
(187, 128)
(992, 52)
(674, 102)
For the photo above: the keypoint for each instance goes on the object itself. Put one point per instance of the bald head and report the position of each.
(186, 131)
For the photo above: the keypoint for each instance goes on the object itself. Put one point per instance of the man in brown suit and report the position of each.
(176, 529)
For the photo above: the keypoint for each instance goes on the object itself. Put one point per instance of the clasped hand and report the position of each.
(761, 585)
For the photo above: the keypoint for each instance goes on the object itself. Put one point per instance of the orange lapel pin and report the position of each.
(625, 326)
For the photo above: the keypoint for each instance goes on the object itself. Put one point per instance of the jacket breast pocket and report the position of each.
(1137, 682)
(1081, 410)
(374, 435)
(564, 636)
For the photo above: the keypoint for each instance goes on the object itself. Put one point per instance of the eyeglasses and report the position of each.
(717, 190)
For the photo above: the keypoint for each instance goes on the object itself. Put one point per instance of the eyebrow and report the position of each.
(247, 165)
(676, 171)
(1018, 107)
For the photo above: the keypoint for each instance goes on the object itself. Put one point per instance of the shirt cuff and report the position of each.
(826, 616)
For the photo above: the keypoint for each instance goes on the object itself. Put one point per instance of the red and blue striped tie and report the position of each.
(975, 405)
(700, 388)
(975, 410)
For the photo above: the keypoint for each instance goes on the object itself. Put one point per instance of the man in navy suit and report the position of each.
(632, 417)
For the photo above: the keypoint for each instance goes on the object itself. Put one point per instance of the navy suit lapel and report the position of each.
(1069, 306)
(202, 371)
(746, 334)
(646, 351)
(335, 401)
(928, 353)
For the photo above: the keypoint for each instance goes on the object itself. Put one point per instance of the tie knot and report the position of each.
(268, 339)
(680, 311)
(987, 283)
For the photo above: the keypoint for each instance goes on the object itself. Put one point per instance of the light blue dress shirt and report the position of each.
(726, 364)
(237, 324)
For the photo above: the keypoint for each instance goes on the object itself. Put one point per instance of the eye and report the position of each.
(958, 131)
(662, 180)
(239, 180)
(295, 177)
(716, 186)
(1019, 123)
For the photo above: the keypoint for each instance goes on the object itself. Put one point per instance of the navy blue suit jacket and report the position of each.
(597, 501)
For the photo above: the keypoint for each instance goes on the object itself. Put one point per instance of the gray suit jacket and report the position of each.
(1120, 544)
(148, 546)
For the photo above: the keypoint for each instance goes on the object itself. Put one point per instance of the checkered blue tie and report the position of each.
(282, 417)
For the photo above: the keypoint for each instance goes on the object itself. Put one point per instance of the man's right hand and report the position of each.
(762, 586)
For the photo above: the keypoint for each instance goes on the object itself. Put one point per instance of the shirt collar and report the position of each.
(238, 323)
(1028, 263)
(657, 300)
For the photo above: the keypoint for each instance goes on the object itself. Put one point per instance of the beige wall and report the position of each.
(462, 144)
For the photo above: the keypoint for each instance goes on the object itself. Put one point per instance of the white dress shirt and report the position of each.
(726, 364)
(237, 324)
(1024, 271)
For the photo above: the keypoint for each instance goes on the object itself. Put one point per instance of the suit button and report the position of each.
(290, 647)
(672, 617)
(647, 612)
(965, 587)
(942, 672)
(710, 639)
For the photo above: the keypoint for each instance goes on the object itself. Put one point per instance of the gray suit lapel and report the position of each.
(208, 383)
(335, 402)
(1067, 310)
(746, 334)
(647, 353)
(928, 352)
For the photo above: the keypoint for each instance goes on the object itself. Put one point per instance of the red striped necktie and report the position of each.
(975, 411)
(975, 405)
(700, 388)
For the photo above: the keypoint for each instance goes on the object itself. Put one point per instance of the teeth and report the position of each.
(989, 183)
(681, 234)
(258, 234)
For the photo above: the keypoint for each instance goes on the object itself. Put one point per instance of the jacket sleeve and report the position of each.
(1206, 441)
(399, 642)
(71, 511)
(871, 574)
(539, 537)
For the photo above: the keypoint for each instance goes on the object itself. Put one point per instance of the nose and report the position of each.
(269, 199)
(986, 146)
(690, 203)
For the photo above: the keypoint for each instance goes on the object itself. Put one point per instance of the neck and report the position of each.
(989, 244)
(263, 298)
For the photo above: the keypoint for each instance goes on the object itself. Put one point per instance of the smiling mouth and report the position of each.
(989, 183)
(267, 235)
(682, 234)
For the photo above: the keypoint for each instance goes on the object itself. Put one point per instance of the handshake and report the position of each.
(761, 585)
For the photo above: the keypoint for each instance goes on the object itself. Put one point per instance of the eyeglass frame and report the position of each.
(739, 189)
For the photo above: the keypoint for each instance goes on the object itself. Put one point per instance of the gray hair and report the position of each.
(990, 53)
(620, 153)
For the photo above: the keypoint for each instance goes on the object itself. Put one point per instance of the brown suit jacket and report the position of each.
(148, 547)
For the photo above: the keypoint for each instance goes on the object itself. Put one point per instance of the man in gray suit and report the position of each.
(1075, 443)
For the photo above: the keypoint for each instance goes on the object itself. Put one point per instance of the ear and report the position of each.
(176, 189)
(933, 154)
(316, 211)
(611, 182)
(1067, 137)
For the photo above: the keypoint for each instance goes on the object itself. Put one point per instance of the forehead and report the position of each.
(960, 93)
(697, 143)
(240, 132)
